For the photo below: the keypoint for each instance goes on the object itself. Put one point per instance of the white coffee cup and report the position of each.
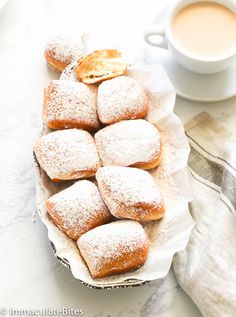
(162, 36)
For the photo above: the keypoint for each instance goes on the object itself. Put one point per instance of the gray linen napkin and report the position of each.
(206, 269)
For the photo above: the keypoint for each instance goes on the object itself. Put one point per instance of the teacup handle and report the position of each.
(155, 36)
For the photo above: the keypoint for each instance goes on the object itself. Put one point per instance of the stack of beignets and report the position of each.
(118, 154)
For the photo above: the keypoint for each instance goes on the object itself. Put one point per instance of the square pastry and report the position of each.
(121, 98)
(78, 209)
(69, 104)
(135, 143)
(114, 248)
(67, 154)
(130, 193)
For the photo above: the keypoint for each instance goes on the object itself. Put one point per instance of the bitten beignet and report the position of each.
(69, 104)
(114, 248)
(62, 50)
(130, 193)
(121, 98)
(100, 65)
(78, 209)
(134, 143)
(67, 154)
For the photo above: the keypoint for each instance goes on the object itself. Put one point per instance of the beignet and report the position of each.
(121, 98)
(100, 65)
(67, 154)
(69, 104)
(78, 209)
(130, 193)
(114, 248)
(62, 50)
(134, 143)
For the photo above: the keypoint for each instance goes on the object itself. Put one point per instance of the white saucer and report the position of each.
(190, 85)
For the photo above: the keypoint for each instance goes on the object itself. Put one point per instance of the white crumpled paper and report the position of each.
(168, 235)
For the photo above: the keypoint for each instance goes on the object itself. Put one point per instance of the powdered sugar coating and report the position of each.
(70, 104)
(128, 142)
(129, 191)
(108, 243)
(67, 154)
(65, 48)
(121, 98)
(80, 207)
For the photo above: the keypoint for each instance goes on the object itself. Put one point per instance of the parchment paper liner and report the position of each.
(168, 235)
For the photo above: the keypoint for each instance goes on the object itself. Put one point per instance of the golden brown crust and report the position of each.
(142, 212)
(101, 65)
(70, 124)
(128, 116)
(151, 164)
(53, 62)
(76, 175)
(127, 262)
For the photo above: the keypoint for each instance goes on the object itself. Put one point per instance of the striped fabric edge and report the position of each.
(206, 167)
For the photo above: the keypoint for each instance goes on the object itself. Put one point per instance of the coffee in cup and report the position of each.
(205, 29)
(200, 34)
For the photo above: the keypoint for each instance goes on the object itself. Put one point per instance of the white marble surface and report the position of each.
(30, 276)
